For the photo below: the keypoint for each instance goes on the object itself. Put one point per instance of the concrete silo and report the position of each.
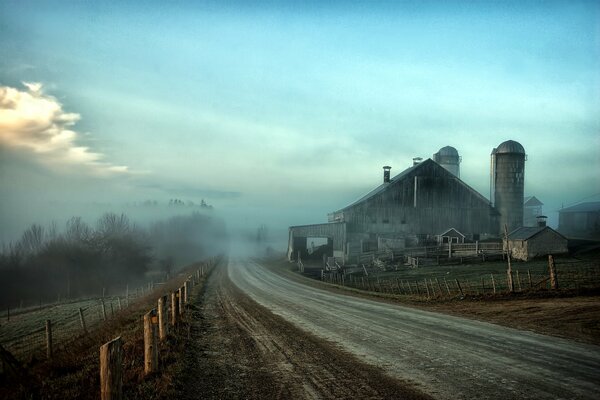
(448, 158)
(507, 178)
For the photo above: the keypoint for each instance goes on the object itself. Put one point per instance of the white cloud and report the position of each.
(36, 122)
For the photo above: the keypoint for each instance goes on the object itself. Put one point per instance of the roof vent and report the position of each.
(417, 160)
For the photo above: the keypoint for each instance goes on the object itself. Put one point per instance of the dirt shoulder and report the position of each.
(562, 314)
(239, 349)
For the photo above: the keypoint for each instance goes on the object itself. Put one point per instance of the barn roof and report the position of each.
(450, 231)
(403, 175)
(532, 201)
(583, 207)
(526, 233)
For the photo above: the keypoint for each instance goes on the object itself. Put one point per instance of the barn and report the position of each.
(410, 209)
(581, 220)
(526, 243)
(424, 204)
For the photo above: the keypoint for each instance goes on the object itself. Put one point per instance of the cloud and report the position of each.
(33, 121)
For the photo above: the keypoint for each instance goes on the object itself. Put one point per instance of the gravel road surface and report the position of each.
(445, 356)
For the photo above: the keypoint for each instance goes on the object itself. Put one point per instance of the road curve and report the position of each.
(448, 357)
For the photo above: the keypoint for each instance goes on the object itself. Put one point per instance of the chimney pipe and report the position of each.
(417, 160)
(386, 174)
(541, 220)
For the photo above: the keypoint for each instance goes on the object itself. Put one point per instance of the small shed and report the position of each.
(530, 242)
(451, 236)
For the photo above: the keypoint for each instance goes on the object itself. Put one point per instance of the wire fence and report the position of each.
(25, 335)
(441, 286)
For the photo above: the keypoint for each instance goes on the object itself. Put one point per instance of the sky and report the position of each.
(280, 112)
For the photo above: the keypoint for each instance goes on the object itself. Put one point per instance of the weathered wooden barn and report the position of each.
(526, 243)
(410, 209)
(581, 220)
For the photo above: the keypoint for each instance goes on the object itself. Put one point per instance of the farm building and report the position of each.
(412, 208)
(530, 242)
(532, 208)
(581, 220)
(451, 236)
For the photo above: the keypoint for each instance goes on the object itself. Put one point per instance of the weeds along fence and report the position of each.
(168, 314)
(567, 276)
(37, 334)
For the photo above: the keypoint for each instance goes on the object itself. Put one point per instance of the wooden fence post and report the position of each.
(150, 342)
(163, 327)
(447, 287)
(493, 283)
(529, 278)
(120, 307)
(111, 370)
(82, 320)
(48, 339)
(174, 307)
(181, 300)
(459, 288)
(519, 281)
(552, 269)
(509, 275)
(103, 309)
(186, 290)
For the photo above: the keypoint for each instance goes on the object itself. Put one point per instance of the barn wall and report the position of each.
(546, 242)
(298, 235)
(442, 201)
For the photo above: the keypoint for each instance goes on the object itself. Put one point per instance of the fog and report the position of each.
(277, 115)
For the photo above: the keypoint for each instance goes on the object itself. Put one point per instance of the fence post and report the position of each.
(120, 307)
(529, 277)
(103, 309)
(181, 300)
(447, 287)
(48, 339)
(111, 370)
(186, 289)
(552, 269)
(150, 342)
(82, 320)
(519, 281)
(509, 275)
(493, 283)
(163, 328)
(174, 307)
(459, 288)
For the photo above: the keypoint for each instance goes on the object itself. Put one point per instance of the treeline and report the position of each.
(82, 260)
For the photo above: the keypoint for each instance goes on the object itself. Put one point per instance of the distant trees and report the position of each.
(81, 260)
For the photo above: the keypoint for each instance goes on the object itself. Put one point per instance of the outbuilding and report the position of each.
(527, 243)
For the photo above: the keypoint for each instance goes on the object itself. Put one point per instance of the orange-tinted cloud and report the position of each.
(36, 122)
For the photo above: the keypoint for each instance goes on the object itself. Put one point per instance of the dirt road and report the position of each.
(237, 349)
(448, 357)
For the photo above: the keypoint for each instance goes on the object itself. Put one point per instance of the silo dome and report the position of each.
(510, 147)
(448, 151)
(448, 158)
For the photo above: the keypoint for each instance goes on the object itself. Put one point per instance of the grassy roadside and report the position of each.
(74, 371)
(568, 314)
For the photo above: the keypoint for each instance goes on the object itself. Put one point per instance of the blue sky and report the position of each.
(294, 107)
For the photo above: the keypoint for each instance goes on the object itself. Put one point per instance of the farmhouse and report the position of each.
(526, 243)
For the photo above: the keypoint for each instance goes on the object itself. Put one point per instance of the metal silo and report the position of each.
(507, 177)
(448, 158)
